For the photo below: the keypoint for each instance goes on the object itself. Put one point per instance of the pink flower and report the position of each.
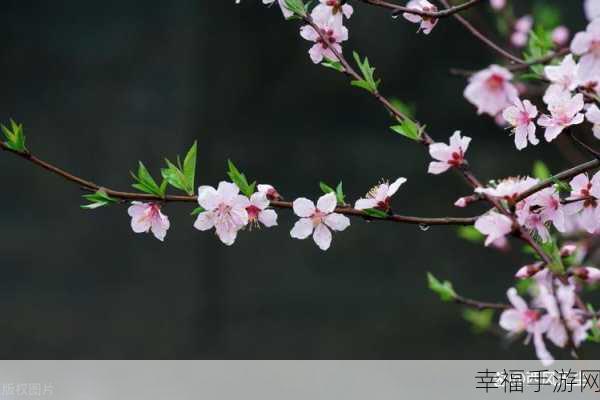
(490, 90)
(146, 217)
(587, 45)
(583, 188)
(498, 4)
(537, 210)
(565, 111)
(494, 225)
(333, 33)
(508, 189)
(318, 220)
(448, 156)
(269, 191)
(379, 197)
(573, 316)
(521, 116)
(565, 75)
(523, 319)
(592, 9)
(258, 211)
(336, 8)
(426, 23)
(225, 210)
(286, 12)
(593, 115)
(560, 35)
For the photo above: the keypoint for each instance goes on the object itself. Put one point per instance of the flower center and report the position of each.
(523, 118)
(253, 212)
(495, 82)
(457, 158)
(328, 36)
(530, 316)
(318, 217)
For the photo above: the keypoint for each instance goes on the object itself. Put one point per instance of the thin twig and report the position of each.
(488, 42)
(127, 196)
(396, 9)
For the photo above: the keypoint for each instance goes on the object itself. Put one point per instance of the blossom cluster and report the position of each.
(537, 210)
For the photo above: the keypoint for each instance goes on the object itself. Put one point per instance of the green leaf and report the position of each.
(15, 138)
(368, 81)
(523, 285)
(594, 334)
(339, 192)
(145, 183)
(470, 234)
(443, 289)
(375, 213)
(189, 165)
(325, 188)
(98, 199)
(561, 186)
(335, 65)
(480, 320)
(240, 179)
(197, 211)
(541, 171)
(404, 108)
(295, 6)
(182, 177)
(546, 15)
(408, 128)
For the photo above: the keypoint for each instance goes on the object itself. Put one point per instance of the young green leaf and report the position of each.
(480, 320)
(145, 183)
(470, 234)
(197, 211)
(15, 138)
(408, 128)
(404, 108)
(183, 176)
(240, 179)
(339, 193)
(335, 65)
(368, 81)
(375, 213)
(594, 335)
(541, 171)
(295, 6)
(443, 289)
(98, 199)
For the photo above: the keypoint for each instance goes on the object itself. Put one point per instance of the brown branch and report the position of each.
(488, 42)
(567, 174)
(480, 305)
(128, 196)
(515, 67)
(396, 9)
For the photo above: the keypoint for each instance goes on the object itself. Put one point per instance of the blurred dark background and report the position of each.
(100, 85)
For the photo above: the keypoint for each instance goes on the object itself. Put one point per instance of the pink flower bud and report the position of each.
(518, 39)
(587, 274)
(568, 250)
(524, 24)
(528, 271)
(560, 35)
(498, 4)
(462, 202)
